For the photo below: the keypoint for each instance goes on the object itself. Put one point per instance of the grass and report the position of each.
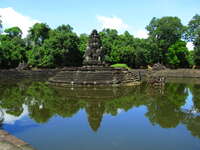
(121, 66)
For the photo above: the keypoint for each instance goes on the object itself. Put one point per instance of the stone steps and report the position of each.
(102, 76)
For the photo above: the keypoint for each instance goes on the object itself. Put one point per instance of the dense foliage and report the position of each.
(0, 24)
(49, 48)
(193, 35)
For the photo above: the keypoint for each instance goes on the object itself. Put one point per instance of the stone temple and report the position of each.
(94, 70)
(94, 53)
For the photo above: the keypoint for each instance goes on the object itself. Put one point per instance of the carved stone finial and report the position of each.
(94, 53)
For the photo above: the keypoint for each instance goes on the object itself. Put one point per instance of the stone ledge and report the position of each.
(9, 142)
(95, 76)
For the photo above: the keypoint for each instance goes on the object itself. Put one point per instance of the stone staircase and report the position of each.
(94, 76)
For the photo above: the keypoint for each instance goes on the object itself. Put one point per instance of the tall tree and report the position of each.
(178, 55)
(60, 49)
(38, 33)
(13, 48)
(193, 35)
(165, 32)
(14, 32)
(109, 38)
(83, 42)
(1, 26)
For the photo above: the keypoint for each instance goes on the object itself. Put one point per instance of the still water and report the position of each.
(118, 118)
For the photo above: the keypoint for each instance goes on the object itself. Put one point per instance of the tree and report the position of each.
(153, 53)
(126, 46)
(193, 29)
(64, 28)
(178, 55)
(165, 32)
(60, 49)
(12, 48)
(193, 35)
(83, 42)
(118, 48)
(14, 32)
(140, 57)
(38, 33)
(1, 26)
(109, 38)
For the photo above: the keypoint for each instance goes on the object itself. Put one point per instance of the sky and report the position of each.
(86, 15)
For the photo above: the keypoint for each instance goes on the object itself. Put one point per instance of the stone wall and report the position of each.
(95, 76)
(45, 74)
(13, 74)
(179, 73)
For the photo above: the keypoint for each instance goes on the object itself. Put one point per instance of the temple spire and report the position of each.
(94, 54)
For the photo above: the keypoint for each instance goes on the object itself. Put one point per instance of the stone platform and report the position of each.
(95, 75)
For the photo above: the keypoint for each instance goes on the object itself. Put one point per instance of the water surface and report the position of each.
(109, 118)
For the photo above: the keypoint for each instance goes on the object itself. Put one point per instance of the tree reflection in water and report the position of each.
(45, 101)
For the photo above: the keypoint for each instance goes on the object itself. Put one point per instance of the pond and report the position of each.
(105, 118)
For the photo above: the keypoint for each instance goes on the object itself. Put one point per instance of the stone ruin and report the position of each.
(158, 67)
(22, 66)
(94, 70)
(94, 53)
(157, 80)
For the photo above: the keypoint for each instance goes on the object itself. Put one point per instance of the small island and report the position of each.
(95, 71)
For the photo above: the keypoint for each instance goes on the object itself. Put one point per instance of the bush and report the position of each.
(121, 66)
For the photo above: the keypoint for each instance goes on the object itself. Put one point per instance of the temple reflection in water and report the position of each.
(175, 104)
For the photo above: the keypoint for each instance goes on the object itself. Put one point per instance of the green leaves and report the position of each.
(38, 33)
(49, 48)
(178, 55)
(165, 32)
(1, 26)
(193, 35)
(12, 49)
(193, 30)
(14, 32)
(59, 49)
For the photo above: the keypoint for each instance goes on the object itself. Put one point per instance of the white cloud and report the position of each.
(190, 46)
(142, 34)
(112, 23)
(11, 18)
(10, 119)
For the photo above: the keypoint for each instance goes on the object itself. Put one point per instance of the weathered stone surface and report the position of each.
(15, 75)
(157, 80)
(95, 76)
(158, 66)
(22, 66)
(7, 146)
(9, 142)
(94, 71)
(14, 140)
(94, 53)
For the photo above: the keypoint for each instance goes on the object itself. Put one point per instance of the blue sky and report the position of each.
(85, 15)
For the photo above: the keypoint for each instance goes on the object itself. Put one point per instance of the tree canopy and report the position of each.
(193, 35)
(1, 26)
(165, 32)
(45, 47)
